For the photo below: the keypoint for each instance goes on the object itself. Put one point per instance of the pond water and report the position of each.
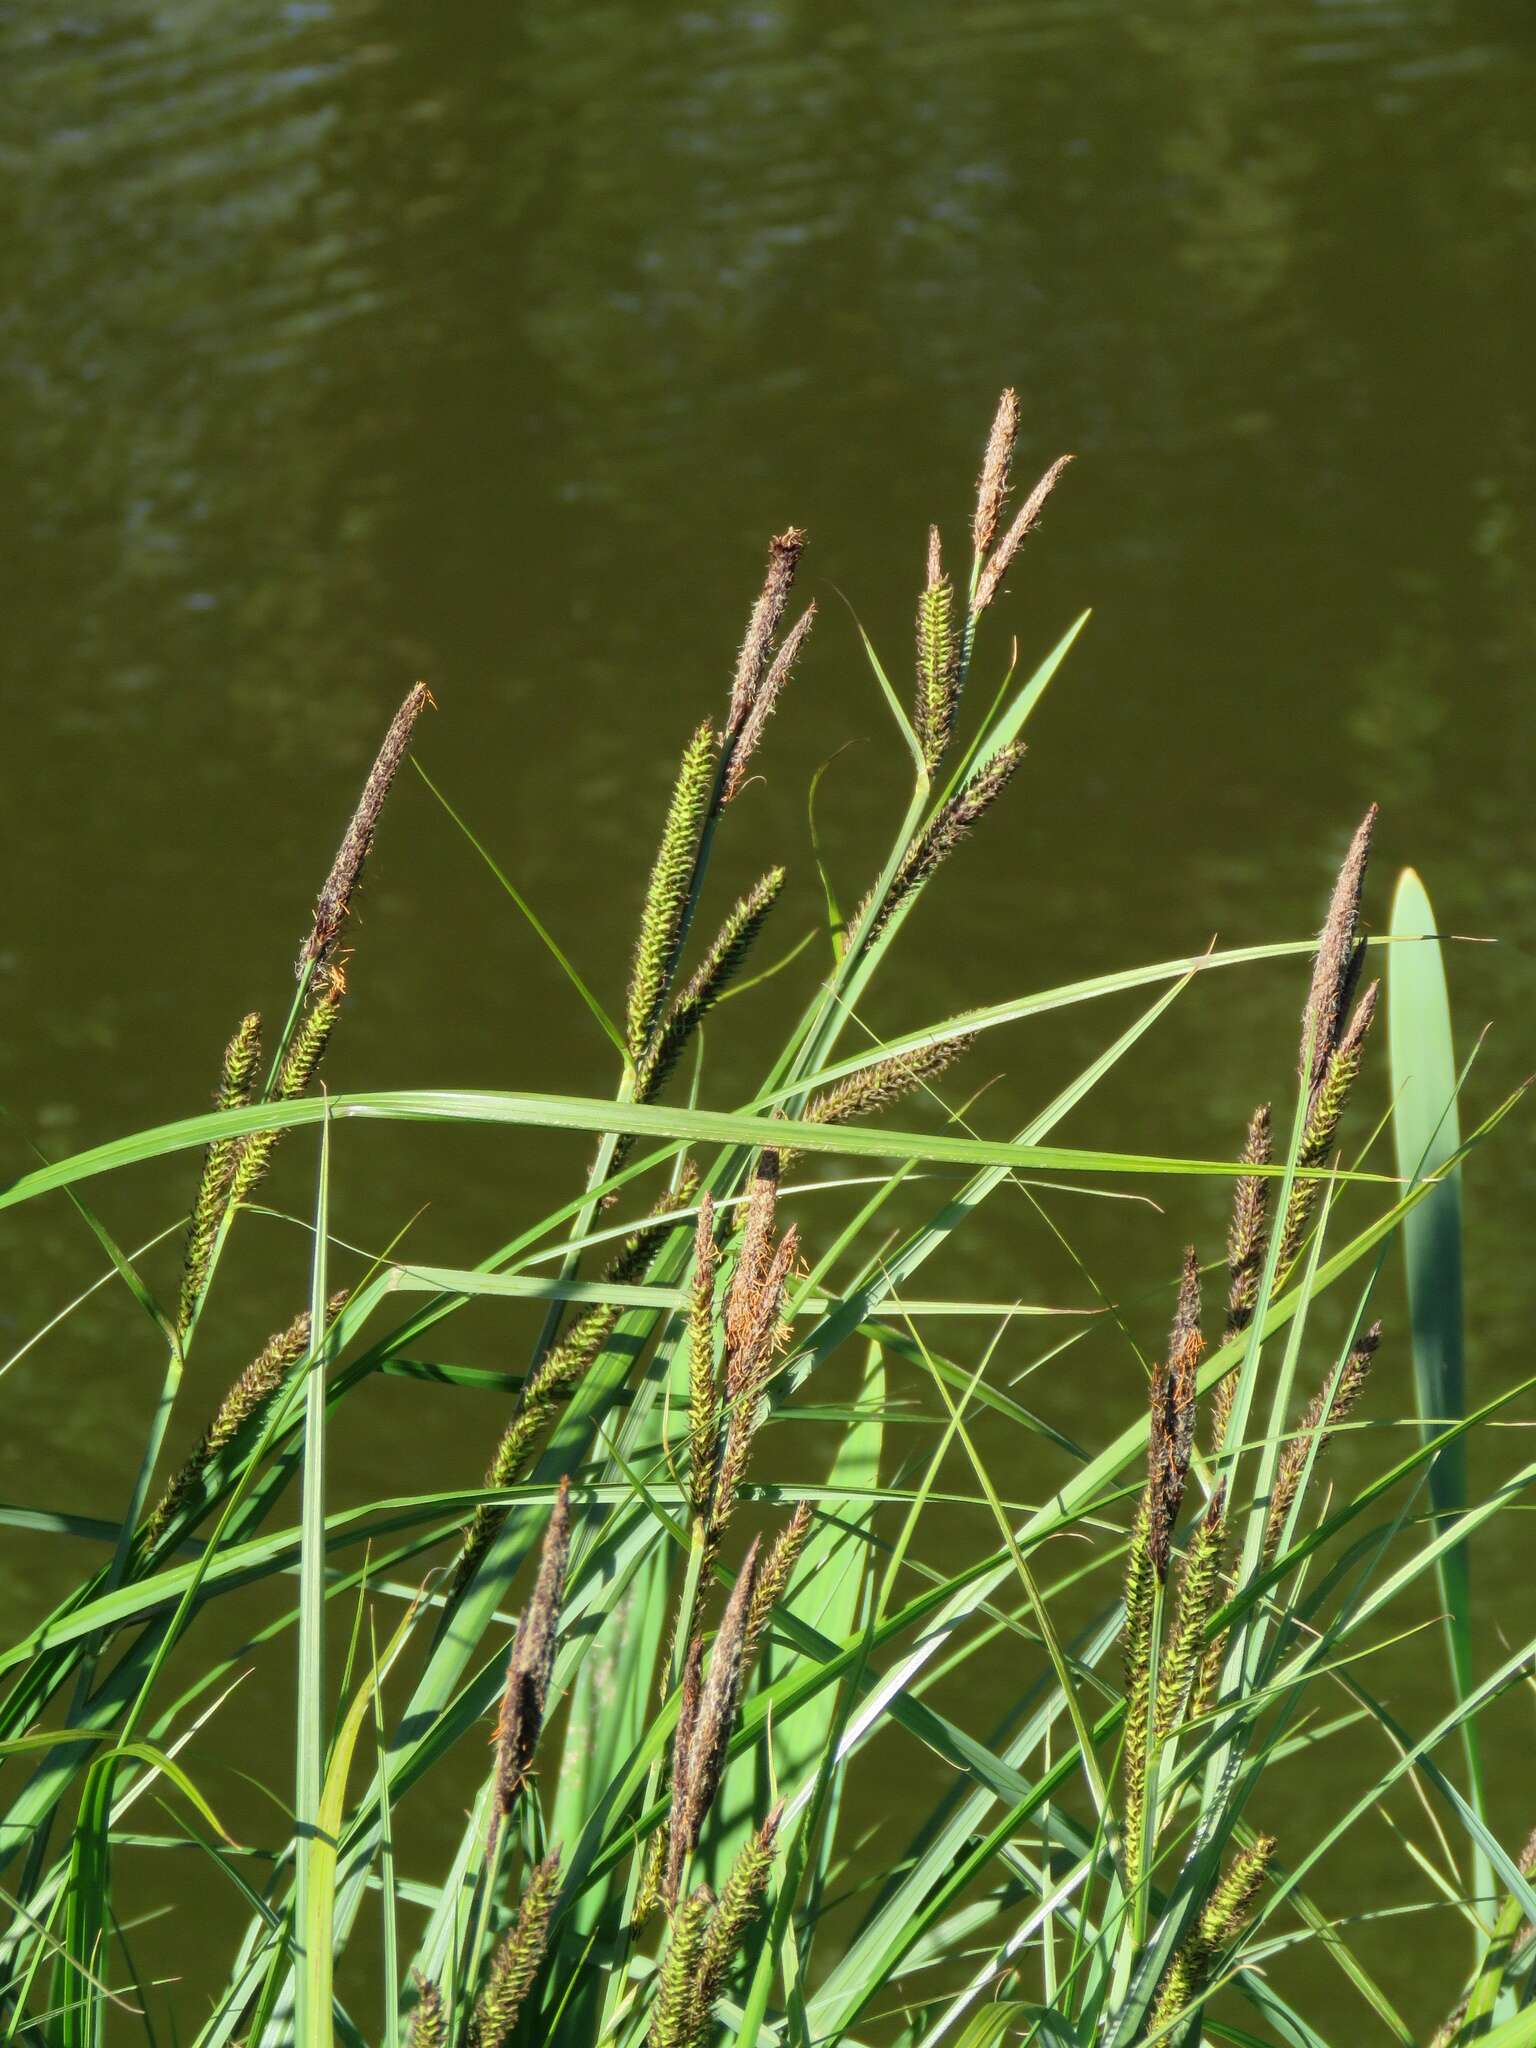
(353, 343)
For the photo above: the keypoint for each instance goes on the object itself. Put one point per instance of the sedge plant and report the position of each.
(685, 1580)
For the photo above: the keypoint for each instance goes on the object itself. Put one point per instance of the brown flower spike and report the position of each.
(1339, 955)
(992, 489)
(784, 554)
(704, 1731)
(532, 1661)
(335, 898)
(1173, 1417)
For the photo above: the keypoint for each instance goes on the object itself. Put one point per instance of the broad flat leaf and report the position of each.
(1426, 1130)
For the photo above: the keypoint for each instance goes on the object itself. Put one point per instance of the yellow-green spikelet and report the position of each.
(666, 896)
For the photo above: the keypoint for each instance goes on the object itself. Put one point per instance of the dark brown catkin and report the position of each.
(532, 1660)
(703, 1394)
(1026, 519)
(784, 552)
(769, 691)
(709, 1736)
(1337, 964)
(996, 463)
(335, 899)
(1171, 1438)
(670, 1847)
(748, 1361)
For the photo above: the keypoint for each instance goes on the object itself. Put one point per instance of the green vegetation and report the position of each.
(658, 1849)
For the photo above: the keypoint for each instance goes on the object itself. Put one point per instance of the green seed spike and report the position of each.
(305, 1051)
(879, 1087)
(1140, 1594)
(938, 661)
(237, 1080)
(945, 831)
(740, 1903)
(1222, 1918)
(1324, 1114)
(648, 1896)
(429, 2023)
(666, 896)
(1247, 1243)
(1173, 1416)
(560, 1371)
(675, 2021)
(773, 1580)
(312, 1037)
(516, 1962)
(1198, 1578)
(708, 982)
(1227, 1910)
(246, 1398)
(1248, 1236)
(1327, 1410)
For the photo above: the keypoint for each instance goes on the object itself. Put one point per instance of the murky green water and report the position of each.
(349, 344)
